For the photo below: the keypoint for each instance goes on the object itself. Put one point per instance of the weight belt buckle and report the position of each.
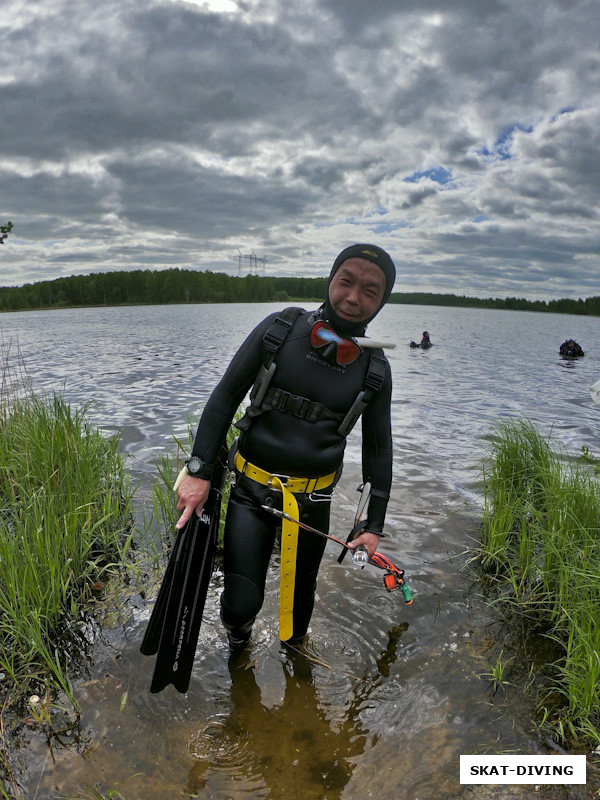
(283, 478)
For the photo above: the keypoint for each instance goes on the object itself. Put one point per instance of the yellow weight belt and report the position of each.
(287, 570)
(288, 486)
(294, 485)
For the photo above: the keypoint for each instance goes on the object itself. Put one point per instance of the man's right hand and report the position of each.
(191, 495)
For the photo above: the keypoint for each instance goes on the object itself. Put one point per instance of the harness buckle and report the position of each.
(290, 403)
(297, 405)
(276, 334)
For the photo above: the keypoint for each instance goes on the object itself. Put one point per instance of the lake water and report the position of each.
(391, 695)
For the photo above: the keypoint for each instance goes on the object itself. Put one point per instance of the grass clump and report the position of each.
(541, 548)
(65, 523)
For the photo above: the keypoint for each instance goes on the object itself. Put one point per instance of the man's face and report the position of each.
(357, 289)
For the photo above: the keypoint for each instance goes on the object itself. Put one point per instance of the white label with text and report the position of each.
(522, 769)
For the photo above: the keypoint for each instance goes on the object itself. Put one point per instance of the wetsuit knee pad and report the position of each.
(241, 600)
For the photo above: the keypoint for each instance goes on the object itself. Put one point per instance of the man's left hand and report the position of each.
(368, 540)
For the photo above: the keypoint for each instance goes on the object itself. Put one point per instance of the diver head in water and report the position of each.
(360, 283)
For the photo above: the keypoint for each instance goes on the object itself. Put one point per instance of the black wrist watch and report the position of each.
(198, 468)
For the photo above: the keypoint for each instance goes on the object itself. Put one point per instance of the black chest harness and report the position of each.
(263, 397)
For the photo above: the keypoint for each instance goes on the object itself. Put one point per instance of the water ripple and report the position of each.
(219, 741)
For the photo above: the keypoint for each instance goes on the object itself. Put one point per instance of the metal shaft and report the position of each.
(282, 515)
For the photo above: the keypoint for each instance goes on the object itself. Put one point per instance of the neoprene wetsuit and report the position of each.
(282, 443)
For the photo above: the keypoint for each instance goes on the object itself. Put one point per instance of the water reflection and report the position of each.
(296, 748)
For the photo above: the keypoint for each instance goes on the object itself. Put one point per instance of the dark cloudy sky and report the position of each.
(461, 135)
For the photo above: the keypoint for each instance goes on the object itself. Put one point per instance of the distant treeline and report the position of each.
(156, 287)
(590, 306)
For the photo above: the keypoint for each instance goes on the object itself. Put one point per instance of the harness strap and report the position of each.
(373, 383)
(376, 373)
(279, 329)
(272, 341)
(379, 493)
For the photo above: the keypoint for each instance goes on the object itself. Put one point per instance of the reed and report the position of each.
(65, 524)
(541, 548)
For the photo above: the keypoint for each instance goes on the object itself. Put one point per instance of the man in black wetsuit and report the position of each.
(298, 430)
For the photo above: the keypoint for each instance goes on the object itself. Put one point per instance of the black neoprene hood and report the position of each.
(377, 256)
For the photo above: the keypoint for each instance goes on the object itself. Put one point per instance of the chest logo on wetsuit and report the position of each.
(325, 363)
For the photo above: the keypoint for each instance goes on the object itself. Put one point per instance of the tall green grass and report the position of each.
(65, 523)
(541, 546)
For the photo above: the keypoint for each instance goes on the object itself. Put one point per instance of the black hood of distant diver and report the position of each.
(377, 256)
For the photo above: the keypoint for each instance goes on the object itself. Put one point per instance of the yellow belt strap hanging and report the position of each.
(287, 575)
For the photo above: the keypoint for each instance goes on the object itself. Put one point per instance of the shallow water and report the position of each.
(390, 695)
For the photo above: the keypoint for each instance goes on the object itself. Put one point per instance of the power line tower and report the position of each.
(263, 261)
(254, 261)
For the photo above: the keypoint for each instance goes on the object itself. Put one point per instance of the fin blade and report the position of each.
(174, 626)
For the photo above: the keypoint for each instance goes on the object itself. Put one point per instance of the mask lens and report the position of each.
(346, 350)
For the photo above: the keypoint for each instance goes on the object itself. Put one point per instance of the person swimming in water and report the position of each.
(571, 349)
(425, 342)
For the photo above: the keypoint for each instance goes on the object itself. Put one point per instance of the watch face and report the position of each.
(194, 465)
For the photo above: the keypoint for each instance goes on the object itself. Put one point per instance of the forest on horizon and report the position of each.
(171, 286)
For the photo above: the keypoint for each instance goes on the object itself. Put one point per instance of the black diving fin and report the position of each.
(154, 628)
(174, 626)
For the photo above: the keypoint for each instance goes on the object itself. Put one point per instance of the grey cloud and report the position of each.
(204, 199)
(164, 134)
(418, 196)
(356, 16)
(319, 173)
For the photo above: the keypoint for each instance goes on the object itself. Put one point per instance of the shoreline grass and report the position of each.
(541, 551)
(65, 527)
